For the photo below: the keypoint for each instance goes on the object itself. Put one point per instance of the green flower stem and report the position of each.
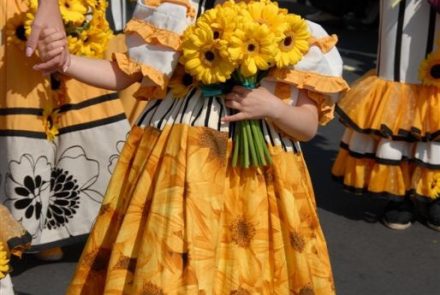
(236, 146)
(252, 143)
(245, 147)
(259, 142)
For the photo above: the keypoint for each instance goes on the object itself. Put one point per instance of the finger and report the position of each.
(32, 41)
(56, 44)
(51, 65)
(240, 90)
(234, 118)
(233, 96)
(53, 53)
(57, 36)
(46, 32)
(65, 58)
(66, 65)
(233, 105)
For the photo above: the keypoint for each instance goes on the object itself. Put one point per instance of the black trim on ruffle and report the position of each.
(382, 195)
(388, 162)
(412, 135)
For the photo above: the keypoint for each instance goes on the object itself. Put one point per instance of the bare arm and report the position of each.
(96, 72)
(299, 122)
(100, 73)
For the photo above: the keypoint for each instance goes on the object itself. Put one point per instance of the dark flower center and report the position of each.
(209, 55)
(251, 47)
(435, 71)
(288, 41)
(216, 34)
(20, 33)
(50, 122)
(187, 80)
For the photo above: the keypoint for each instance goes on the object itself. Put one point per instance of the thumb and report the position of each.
(32, 41)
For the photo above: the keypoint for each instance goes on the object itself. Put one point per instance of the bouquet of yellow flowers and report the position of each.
(87, 29)
(236, 44)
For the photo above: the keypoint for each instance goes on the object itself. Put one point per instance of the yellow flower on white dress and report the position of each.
(429, 71)
(4, 261)
(295, 42)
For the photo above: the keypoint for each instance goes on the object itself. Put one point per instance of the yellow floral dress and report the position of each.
(391, 146)
(57, 147)
(177, 218)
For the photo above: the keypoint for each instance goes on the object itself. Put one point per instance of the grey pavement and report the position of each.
(367, 258)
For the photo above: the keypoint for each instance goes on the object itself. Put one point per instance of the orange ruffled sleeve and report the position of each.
(153, 39)
(319, 73)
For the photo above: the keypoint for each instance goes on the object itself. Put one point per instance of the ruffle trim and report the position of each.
(155, 3)
(361, 175)
(310, 81)
(153, 35)
(391, 109)
(326, 106)
(160, 80)
(326, 43)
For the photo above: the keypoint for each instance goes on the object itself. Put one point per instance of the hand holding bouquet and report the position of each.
(236, 44)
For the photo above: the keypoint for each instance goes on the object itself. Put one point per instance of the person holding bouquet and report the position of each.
(211, 194)
(53, 174)
(390, 148)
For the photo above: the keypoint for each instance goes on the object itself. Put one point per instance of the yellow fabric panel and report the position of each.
(175, 204)
(21, 122)
(373, 103)
(89, 114)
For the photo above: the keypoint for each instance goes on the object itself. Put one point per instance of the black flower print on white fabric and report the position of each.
(26, 181)
(113, 159)
(52, 193)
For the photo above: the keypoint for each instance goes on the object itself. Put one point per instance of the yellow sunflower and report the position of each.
(73, 11)
(28, 23)
(51, 118)
(429, 71)
(201, 56)
(15, 30)
(295, 42)
(435, 186)
(181, 82)
(4, 261)
(93, 41)
(255, 46)
(268, 13)
(222, 20)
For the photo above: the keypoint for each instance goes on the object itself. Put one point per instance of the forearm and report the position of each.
(298, 122)
(99, 73)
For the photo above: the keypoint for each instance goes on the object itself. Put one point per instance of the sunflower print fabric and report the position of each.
(188, 223)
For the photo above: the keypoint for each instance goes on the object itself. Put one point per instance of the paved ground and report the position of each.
(367, 258)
